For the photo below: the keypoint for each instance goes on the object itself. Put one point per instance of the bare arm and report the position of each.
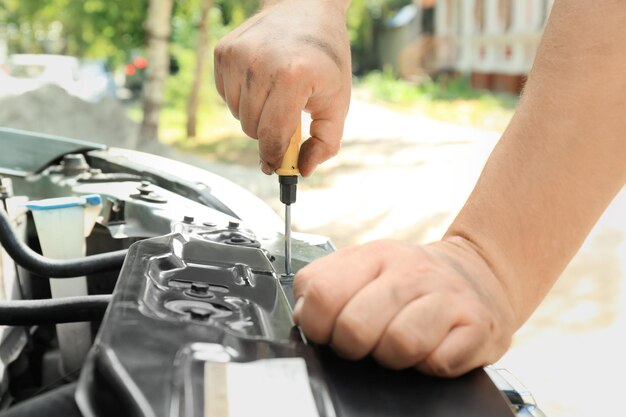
(563, 157)
(453, 305)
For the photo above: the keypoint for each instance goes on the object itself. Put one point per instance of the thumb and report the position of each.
(323, 144)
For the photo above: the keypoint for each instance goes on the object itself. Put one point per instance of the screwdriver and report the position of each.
(288, 180)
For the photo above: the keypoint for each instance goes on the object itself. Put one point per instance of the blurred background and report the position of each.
(435, 84)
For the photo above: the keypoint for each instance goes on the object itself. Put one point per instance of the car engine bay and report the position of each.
(178, 304)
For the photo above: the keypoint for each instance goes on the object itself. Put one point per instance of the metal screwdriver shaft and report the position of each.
(288, 239)
(288, 180)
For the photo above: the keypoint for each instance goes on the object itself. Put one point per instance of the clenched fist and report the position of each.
(292, 56)
(438, 307)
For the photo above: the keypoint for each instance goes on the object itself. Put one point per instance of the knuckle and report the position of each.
(380, 247)
(480, 319)
(234, 110)
(320, 293)
(442, 367)
(333, 148)
(284, 75)
(256, 61)
(489, 328)
(301, 280)
(218, 51)
(292, 72)
(313, 330)
(249, 128)
(404, 343)
(354, 332)
(425, 270)
(502, 346)
(268, 133)
(221, 51)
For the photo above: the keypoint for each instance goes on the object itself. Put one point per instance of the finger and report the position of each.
(318, 268)
(466, 347)
(278, 121)
(365, 317)
(323, 144)
(251, 101)
(232, 91)
(218, 54)
(327, 293)
(415, 332)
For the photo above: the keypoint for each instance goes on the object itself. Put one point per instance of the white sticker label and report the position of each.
(269, 387)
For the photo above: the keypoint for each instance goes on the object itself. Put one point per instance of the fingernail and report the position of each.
(297, 308)
(309, 171)
(265, 168)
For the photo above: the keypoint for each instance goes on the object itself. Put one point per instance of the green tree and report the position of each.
(89, 28)
(158, 29)
(235, 12)
(202, 47)
(364, 19)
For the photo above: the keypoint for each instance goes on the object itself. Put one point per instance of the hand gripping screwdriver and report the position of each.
(288, 179)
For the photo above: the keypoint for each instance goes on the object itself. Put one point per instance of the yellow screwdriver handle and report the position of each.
(289, 165)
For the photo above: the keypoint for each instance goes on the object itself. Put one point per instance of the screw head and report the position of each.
(198, 313)
(199, 288)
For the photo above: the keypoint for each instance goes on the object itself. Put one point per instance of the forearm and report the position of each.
(562, 159)
(339, 3)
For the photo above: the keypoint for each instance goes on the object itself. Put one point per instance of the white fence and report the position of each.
(489, 36)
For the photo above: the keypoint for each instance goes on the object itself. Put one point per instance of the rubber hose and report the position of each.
(54, 268)
(53, 310)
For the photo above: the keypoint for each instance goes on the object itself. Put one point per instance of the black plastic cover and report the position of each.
(180, 305)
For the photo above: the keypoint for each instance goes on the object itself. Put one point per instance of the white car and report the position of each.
(95, 81)
(27, 72)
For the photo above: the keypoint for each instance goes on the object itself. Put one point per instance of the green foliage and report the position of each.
(89, 28)
(364, 19)
(185, 26)
(385, 86)
(235, 12)
(449, 99)
(212, 112)
(361, 25)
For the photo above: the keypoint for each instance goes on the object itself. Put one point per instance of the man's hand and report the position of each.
(292, 56)
(438, 307)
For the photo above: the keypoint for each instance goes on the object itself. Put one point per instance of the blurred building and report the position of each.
(406, 42)
(399, 43)
(492, 41)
